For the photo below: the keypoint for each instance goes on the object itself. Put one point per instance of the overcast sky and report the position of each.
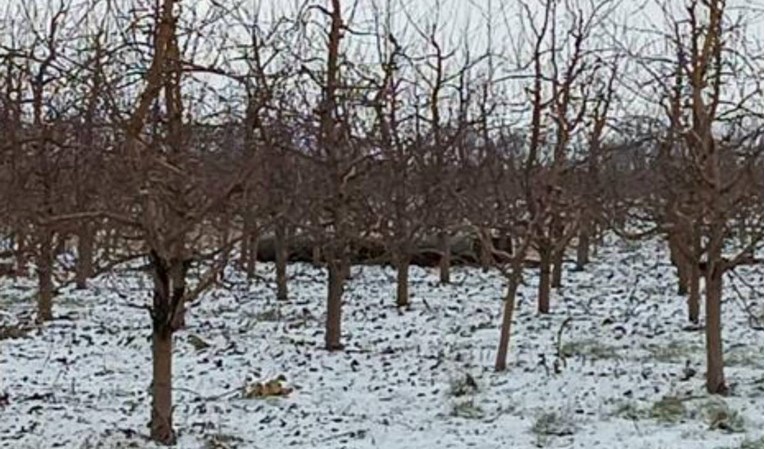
(465, 23)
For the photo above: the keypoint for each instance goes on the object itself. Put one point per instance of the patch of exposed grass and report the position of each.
(630, 245)
(719, 416)
(273, 314)
(468, 409)
(222, 441)
(629, 410)
(671, 409)
(668, 409)
(589, 348)
(554, 424)
(752, 444)
(747, 443)
(13, 331)
(13, 326)
(744, 356)
(462, 385)
(73, 301)
(673, 352)
(198, 342)
(120, 439)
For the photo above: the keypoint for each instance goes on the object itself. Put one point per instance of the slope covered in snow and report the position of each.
(630, 372)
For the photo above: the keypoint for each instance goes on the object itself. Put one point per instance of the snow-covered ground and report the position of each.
(404, 380)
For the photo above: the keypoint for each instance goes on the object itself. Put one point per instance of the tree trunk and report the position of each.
(694, 274)
(543, 302)
(84, 269)
(252, 256)
(316, 256)
(583, 248)
(334, 307)
(693, 291)
(109, 243)
(244, 251)
(683, 268)
(557, 270)
(506, 243)
(507, 320)
(281, 249)
(167, 315)
(162, 386)
(557, 230)
(683, 277)
(224, 232)
(60, 246)
(402, 281)
(21, 253)
(445, 262)
(249, 255)
(485, 252)
(346, 268)
(45, 277)
(715, 376)
(597, 237)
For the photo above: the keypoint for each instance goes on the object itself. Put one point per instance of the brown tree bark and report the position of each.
(109, 244)
(402, 281)
(161, 386)
(715, 376)
(684, 278)
(557, 269)
(598, 234)
(694, 292)
(485, 255)
(543, 301)
(680, 263)
(444, 263)
(84, 268)
(281, 249)
(249, 255)
(690, 270)
(583, 247)
(244, 250)
(252, 256)
(346, 265)
(45, 276)
(167, 315)
(333, 149)
(22, 248)
(507, 319)
(334, 307)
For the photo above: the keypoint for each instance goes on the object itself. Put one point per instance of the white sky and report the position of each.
(464, 24)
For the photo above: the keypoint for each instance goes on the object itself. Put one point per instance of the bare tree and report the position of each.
(718, 194)
(44, 75)
(398, 204)
(599, 112)
(334, 159)
(433, 79)
(172, 195)
(709, 143)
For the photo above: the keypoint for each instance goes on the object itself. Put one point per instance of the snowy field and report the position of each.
(632, 378)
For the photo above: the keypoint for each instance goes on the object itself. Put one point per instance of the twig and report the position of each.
(752, 319)
(560, 358)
